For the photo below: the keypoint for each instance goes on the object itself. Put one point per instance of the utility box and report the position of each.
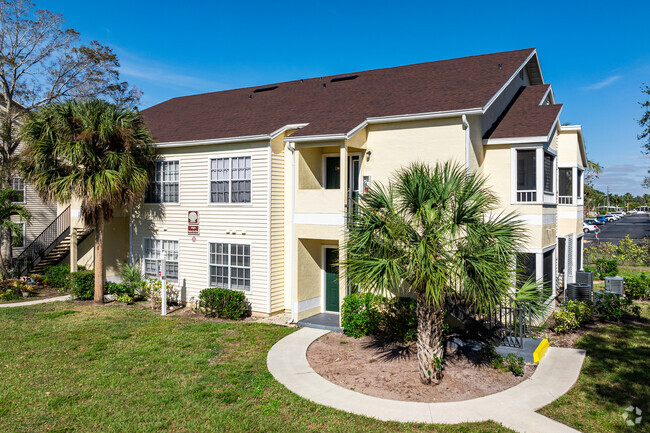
(585, 277)
(614, 285)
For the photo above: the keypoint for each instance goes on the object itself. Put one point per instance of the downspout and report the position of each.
(293, 241)
(467, 143)
(130, 237)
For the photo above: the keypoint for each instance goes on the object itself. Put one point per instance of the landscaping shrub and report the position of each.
(224, 303)
(610, 306)
(118, 289)
(584, 311)
(515, 364)
(57, 276)
(125, 298)
(400, 320)
(360, 314)
(637, 287)
(627, 252)
(606, 268)
(565, 320)
(82, 285)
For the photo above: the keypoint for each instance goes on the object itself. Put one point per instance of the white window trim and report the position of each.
(542, 197)
(24, 190)
(180, 178)
(324, 157)
(142, 265)
(230, 157)
(228, 242)
(576, 201)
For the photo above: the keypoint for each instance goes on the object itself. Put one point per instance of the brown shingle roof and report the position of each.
(335, 107)
(525, 117)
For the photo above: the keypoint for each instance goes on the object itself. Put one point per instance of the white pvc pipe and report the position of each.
(293, 242)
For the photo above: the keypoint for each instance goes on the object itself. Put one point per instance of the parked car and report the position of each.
(614, 215)
(602, 218)
(589, 227)
(594, 222)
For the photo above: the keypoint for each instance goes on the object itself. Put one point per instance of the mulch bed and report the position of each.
(42, 292)
(390, 371)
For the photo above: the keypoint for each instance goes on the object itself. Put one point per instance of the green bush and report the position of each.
(360, 314)
(637, 287)
(400, 320)
(224, 303)
(610, 306)
(125, 298)
(565, 320)
(57, 276)
(584, 311)
(118, 289)
(82, 285)
(606, 268)
(515, 364)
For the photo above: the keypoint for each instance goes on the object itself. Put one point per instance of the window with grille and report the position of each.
(230, 266)
(230, 180)
(153, 258)
(18, 196)
(164, 187)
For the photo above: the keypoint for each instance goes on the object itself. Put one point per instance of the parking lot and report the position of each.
(637, 226)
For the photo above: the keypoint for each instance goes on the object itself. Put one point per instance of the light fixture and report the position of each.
(368, 153)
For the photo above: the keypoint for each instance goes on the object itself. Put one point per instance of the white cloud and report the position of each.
(606, 82)
(623, 178)
(164, 76)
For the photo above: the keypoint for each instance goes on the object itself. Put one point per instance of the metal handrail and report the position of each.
(38, 249)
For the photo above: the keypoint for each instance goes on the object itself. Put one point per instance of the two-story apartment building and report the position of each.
(253, 184)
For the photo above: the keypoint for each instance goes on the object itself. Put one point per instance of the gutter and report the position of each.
(467, 142)
(292, 148)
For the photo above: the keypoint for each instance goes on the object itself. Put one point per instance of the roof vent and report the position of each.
(265, 89)
(346, 78)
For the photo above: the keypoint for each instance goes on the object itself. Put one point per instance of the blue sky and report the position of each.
(595, 54)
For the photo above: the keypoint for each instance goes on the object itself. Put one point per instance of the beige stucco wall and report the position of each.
(396, 145)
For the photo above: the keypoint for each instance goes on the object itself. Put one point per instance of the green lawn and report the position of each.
(616, 374)
(73, 368)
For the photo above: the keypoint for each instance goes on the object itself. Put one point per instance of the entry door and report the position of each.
(331, 280)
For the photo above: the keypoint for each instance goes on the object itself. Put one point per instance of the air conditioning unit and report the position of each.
(578, 292)
(614, 285)
(585, 277)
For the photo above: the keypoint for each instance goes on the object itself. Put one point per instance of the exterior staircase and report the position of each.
(52, 245)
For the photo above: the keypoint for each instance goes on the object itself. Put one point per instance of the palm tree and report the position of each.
(432, 233)
(93, 151)
(7, 226)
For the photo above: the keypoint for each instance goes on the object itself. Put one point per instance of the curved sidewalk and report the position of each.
(514, 408)
(40, 301)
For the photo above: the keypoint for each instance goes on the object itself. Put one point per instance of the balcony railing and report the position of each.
(565, 199)
(526, 196)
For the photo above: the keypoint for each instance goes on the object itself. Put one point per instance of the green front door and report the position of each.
(331, 280)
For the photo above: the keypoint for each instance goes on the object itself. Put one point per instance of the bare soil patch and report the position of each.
(390, 371)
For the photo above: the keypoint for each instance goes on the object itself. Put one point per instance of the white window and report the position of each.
(526, 175)
(230, 266)
(580, 178)
(153, 257)
(164, 187)
(18, 186)
(548, 173)
(230, 180)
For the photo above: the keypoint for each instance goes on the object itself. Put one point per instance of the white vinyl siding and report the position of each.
(247, 224)
(153, 257)
(164, 187)
(230, 180)
(230, 266)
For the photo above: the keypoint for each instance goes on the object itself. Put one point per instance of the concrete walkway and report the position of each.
(514, 408)
(40, 301)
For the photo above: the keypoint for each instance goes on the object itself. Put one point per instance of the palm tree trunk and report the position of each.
(99, 257)
(5, 249)
(429, 343)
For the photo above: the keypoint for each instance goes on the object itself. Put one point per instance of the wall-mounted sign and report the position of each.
(193, 222)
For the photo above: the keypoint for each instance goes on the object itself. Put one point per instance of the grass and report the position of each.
(68, 367)
(614, 376)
